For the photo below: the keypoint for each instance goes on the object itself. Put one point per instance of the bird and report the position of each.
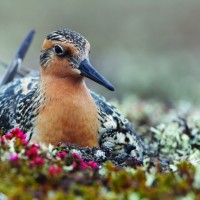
(55, 104)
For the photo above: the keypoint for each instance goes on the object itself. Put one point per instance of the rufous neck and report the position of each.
(60, 86)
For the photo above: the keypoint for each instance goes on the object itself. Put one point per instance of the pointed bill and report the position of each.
(89, 71)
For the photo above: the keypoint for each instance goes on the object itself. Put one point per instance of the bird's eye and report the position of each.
(59, 50)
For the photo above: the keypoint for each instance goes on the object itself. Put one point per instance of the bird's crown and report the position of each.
(69, 36)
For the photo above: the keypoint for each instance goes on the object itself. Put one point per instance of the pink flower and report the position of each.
(24, 142)
(16, 131)
(80, 163)
(92, 164)
(54, 170)
(76, 155)
(14, 157)
(32, 152)
(36, 146)
(61, 155)
(21, 135)
(83, 165)
(38, 161)
(8, 136)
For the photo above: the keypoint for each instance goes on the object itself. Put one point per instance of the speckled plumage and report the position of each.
(115, 130)
(19, 102)
(23, 99)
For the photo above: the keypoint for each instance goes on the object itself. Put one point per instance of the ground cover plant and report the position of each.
(170, 169)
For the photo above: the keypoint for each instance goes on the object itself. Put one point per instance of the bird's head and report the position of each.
(65, 54)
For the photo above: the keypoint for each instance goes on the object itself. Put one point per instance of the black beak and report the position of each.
(88, 71)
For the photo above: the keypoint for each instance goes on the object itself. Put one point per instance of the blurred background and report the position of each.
(147, 48)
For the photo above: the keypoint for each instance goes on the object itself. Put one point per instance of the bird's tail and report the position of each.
(15, 64)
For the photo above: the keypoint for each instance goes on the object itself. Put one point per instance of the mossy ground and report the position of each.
(170, 170)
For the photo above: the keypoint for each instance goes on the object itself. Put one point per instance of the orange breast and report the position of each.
(69, 115)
